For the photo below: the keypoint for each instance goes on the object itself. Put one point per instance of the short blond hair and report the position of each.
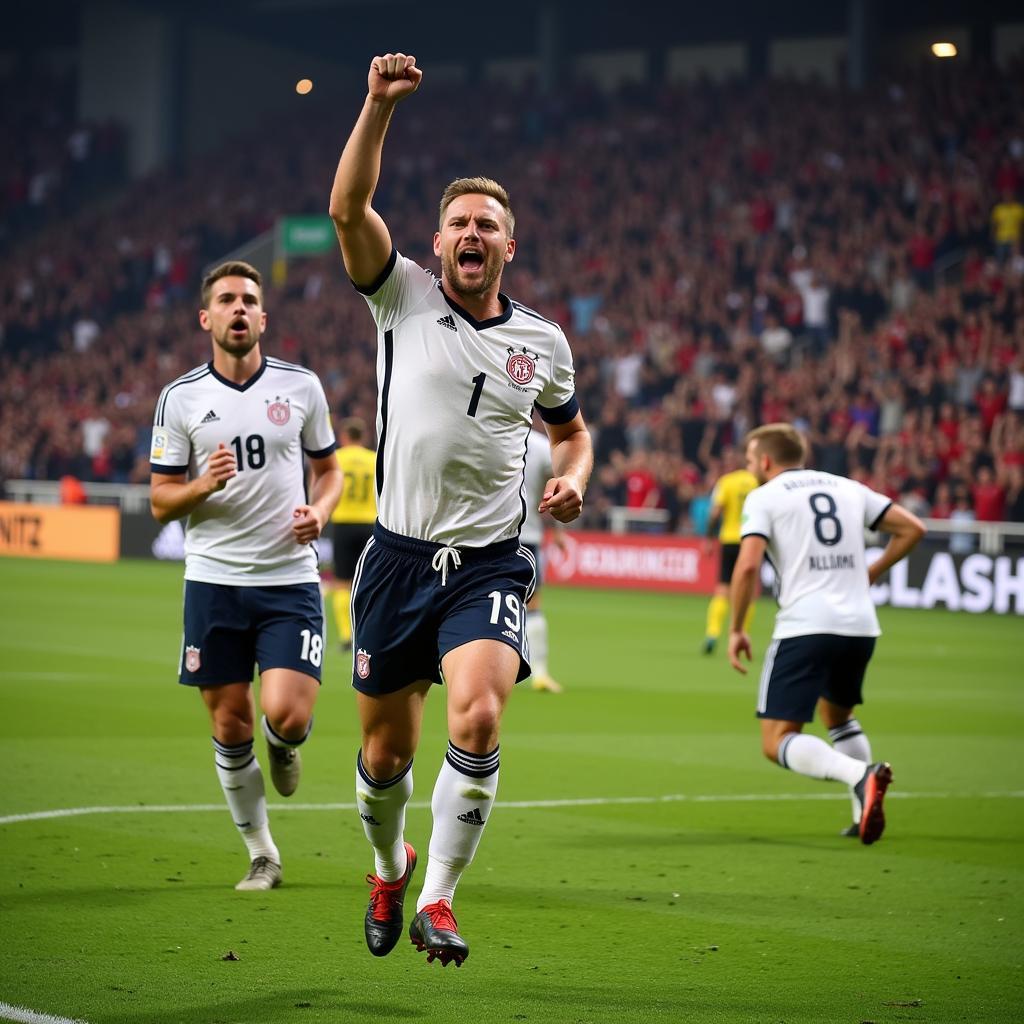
(781, 442)
(478, 186)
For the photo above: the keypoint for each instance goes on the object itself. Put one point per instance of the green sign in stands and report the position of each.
(305, 236)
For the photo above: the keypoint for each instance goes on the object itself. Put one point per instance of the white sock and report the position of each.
(461, 804)
(276, 740)
(537, 636)
(382, 806)
(811, 756)
(242, 782)
(850, 740)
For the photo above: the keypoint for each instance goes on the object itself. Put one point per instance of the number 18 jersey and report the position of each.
(454, 407)
(242, 535)
(814, 524)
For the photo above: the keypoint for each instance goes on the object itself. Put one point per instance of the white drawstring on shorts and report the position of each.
(441, 559)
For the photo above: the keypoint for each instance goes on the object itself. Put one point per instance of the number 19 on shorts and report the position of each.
(514, 619)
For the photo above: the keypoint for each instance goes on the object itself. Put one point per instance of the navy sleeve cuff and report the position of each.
(369, 289)
(168, 470)
(323, 453)
(754, 533)
(563, 414)
(880, 517)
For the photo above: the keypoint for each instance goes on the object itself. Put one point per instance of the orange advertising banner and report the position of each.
(81, 533)
(630, 561)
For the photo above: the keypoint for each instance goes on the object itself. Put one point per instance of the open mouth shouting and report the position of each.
(471, 259)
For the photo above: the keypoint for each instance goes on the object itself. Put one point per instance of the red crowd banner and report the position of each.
(630, 561)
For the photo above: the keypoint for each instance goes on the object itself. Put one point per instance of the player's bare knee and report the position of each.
(475, 727)
(384, 760)
(290, 724)
(232, 726)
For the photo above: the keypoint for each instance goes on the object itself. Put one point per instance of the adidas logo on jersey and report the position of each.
(447, 321)
(471, 817)
(210, 417)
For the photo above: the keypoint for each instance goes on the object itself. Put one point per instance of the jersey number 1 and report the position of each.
(474, 402)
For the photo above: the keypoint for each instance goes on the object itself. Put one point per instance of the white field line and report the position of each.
(22, 1016)
(596, 801)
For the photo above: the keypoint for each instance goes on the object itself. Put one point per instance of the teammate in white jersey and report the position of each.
(538, 473)
(811, 526)
(441, 587)
(228, 445)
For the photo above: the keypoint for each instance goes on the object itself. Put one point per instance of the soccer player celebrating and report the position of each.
(228, 444)
(440, 591)
(811, 525)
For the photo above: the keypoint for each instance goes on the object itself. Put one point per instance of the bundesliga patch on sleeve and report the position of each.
(159, 445)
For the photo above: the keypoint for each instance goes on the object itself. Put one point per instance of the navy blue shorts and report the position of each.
(230, 630)
(404, 621)
(800, 669)
(538, 558)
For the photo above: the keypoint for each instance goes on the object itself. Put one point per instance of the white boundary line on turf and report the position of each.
(596, 801)
(22, 1016)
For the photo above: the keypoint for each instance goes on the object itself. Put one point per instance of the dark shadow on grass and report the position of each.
(108, 896)
(279, 1006)
(546, 998)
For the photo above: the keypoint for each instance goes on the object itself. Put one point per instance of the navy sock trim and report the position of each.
(846, 730)
(477, 766)
(786, 740)
(371, 781)
(272, 734)
(222, 750)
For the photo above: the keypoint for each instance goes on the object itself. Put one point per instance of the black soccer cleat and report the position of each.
(383, 925)
(851, 831)
(871, 791)
(435, 930)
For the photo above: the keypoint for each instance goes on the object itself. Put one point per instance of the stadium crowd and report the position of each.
(55, 161)
(720, 256)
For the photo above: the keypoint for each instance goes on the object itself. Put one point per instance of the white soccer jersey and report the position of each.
(455, 401)
(814, 524)
(242, 535)
(538, 472)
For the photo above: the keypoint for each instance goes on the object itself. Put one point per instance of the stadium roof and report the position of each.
(351, 29)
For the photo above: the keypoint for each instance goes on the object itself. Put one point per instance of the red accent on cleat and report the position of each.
(872, 816)
(435, 930)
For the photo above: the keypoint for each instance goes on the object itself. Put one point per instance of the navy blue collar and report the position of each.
(480, 325)
(239, 387)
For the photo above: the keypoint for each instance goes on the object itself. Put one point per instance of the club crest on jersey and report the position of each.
(192, 659)
(363, 664)
(278, 412)
(521, 365)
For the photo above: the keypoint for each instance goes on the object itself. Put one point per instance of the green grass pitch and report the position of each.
(725, 896)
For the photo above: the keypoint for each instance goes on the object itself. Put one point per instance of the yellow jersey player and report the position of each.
(727, 499)
(353, 519)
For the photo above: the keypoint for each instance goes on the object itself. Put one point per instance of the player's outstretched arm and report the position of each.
(174, 496)
(741, 593)
(572, 460)
(363, 235)
(905, 531)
